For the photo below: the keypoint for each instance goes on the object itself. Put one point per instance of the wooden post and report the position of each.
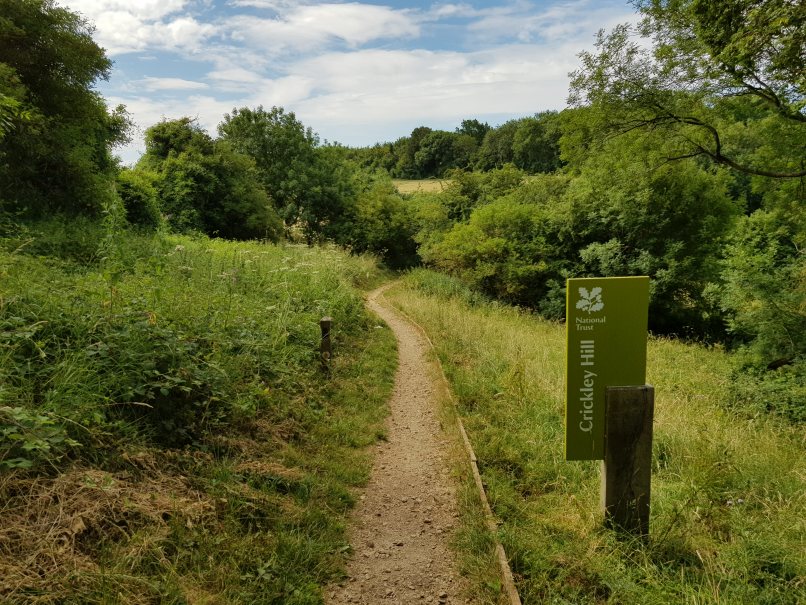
(325, 347)
(627, 464)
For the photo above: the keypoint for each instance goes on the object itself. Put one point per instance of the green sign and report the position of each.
(606, 323)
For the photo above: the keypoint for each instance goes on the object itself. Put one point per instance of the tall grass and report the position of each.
(167, 433)
(728, 520)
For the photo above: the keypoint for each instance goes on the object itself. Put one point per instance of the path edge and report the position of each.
(507, 579)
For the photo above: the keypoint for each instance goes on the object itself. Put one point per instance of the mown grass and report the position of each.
(167, 434)
(728, 520)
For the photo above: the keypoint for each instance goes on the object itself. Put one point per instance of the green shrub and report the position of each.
(764, 297)
(28, 438)
(136, 189)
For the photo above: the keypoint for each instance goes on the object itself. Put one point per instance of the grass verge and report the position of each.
(167, 434)
(728, 504)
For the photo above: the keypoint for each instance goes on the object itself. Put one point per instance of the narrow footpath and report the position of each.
(401, 528)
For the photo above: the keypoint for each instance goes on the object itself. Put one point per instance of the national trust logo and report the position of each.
(590, 301)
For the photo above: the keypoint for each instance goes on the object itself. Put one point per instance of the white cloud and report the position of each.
(332, 77)
(124, 26)
(307, 28)
(158, 84)
(441, 11)
(562, 22)
(235, 74)
(373, 86)
(267, 4)
(142, 9)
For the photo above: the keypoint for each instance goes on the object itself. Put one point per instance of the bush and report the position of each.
(764, 297)
(136, 190)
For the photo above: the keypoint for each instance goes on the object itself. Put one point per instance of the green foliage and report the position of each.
(627, 216)
(621, 215)
(28, 438)
(139, 196)
(440, 151)
(15, 113)
(57, 131)
(727, 491)
(496, 149)
(215, 460)
(407, 165)
(764, 296)
(307, 186)
(383, 224)
(765, 285)
(502, 251)
(467, 190)
(535, 146)
(721, 81)
(204, 185)
(475, 129)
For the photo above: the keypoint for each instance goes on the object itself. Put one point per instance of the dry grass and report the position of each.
(53, 527)
(729, 509)
(420, 186)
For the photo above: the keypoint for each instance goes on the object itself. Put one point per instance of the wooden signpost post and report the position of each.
(325, 346)
(609, 409)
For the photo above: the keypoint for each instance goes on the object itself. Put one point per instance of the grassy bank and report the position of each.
(167, 434)
(728, 503)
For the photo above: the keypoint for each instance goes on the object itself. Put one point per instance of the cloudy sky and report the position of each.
(356, 72)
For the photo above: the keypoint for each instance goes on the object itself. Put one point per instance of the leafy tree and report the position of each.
(765, 284)
(504, 250)
(56, 130)
(205, 185)
(383, 224)
(627, 215)
(764, 296)
(467, 190)
(407, 162)
(535, 146)
(475, 129)
(496, 148)
(440, 150)
(723, 81)
(14, 111)
(306, 185)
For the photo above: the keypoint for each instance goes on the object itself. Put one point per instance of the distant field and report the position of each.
(423, 185)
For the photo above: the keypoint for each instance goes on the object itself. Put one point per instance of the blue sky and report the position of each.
(355, 72)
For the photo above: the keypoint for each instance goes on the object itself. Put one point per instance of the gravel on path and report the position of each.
(406, 516)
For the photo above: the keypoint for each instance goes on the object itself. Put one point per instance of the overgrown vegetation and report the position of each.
(166, 431)
(727, 490)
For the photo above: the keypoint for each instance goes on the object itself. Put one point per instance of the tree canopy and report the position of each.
(204, 184)
(722, 80)
(55, 129)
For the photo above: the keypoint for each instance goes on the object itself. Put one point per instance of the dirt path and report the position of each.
(407, 514)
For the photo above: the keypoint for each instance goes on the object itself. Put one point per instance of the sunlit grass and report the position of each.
(421, 185)
(217, 457)
(728, 499)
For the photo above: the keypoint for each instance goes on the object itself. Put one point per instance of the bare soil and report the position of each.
(402, 527)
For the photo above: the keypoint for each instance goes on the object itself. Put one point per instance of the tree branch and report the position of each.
(715, 155)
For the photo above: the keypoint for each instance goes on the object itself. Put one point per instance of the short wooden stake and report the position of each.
(627, 464)
(325, 347)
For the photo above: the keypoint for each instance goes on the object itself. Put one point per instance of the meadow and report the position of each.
(728, 504)
(404, 186)
(167, 431)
